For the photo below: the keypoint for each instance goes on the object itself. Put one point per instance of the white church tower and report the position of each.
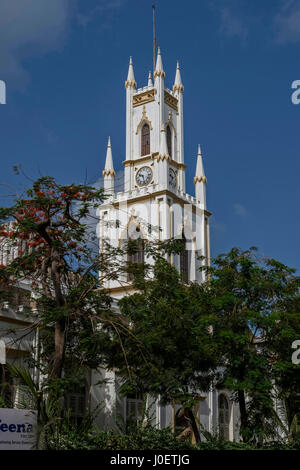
(154, 204)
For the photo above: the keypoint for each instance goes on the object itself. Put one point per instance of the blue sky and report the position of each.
(65, 63)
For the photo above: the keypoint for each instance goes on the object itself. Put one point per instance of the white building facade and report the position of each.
(154, 206)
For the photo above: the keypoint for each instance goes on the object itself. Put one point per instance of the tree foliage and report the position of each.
(58, 259)
(169, 338)
(249, 297)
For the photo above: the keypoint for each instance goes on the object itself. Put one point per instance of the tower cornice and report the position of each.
(152, 156)
(153, 196)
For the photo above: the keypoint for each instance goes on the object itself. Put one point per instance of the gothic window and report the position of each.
(169, 141)
(145, 140)
(223, 417)
(135, 248)
(184, 262)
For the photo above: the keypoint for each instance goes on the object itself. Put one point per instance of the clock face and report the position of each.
(172, 178)
(144, 176)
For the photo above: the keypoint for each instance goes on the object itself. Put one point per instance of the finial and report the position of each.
(178, 83)
(200, 175)
(150, 79)
(159, 71)
(130, 82)
(109, 167)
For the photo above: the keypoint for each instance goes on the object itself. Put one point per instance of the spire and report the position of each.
(178, 83)
(159, 71)
(200, 175)
(163, 148)
(130, 82)
(109, 167)
(150, 80)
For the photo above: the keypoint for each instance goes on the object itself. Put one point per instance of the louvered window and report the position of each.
(135, 255)
(169, 141)
(145, 140)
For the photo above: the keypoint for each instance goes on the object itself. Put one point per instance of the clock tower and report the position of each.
(154, 204)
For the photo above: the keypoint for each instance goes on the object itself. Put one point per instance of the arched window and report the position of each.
(169, 141)
(184, 261)
(135, 248)
(145, 140)
(224, 417)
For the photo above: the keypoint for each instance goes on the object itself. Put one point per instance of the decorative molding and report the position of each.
(143, 98)
(153, 156)
(158, 157)
(159, 73)
(163, 157)
(130, 83)
(154, 195)
(139, 160)
(171, 101)
(180, 166)
(200, 179)
(178, 88)
(108, 173)
(144, 119)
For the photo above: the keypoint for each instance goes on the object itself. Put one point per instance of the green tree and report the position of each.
(58, 257)
(285, 329)
(169, 351)
(243, 294)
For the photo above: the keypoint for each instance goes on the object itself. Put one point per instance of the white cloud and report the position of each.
(287, 22)
(232, 18)
(104, 7)
(232, 25)
(240, 209)
(30, 28)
